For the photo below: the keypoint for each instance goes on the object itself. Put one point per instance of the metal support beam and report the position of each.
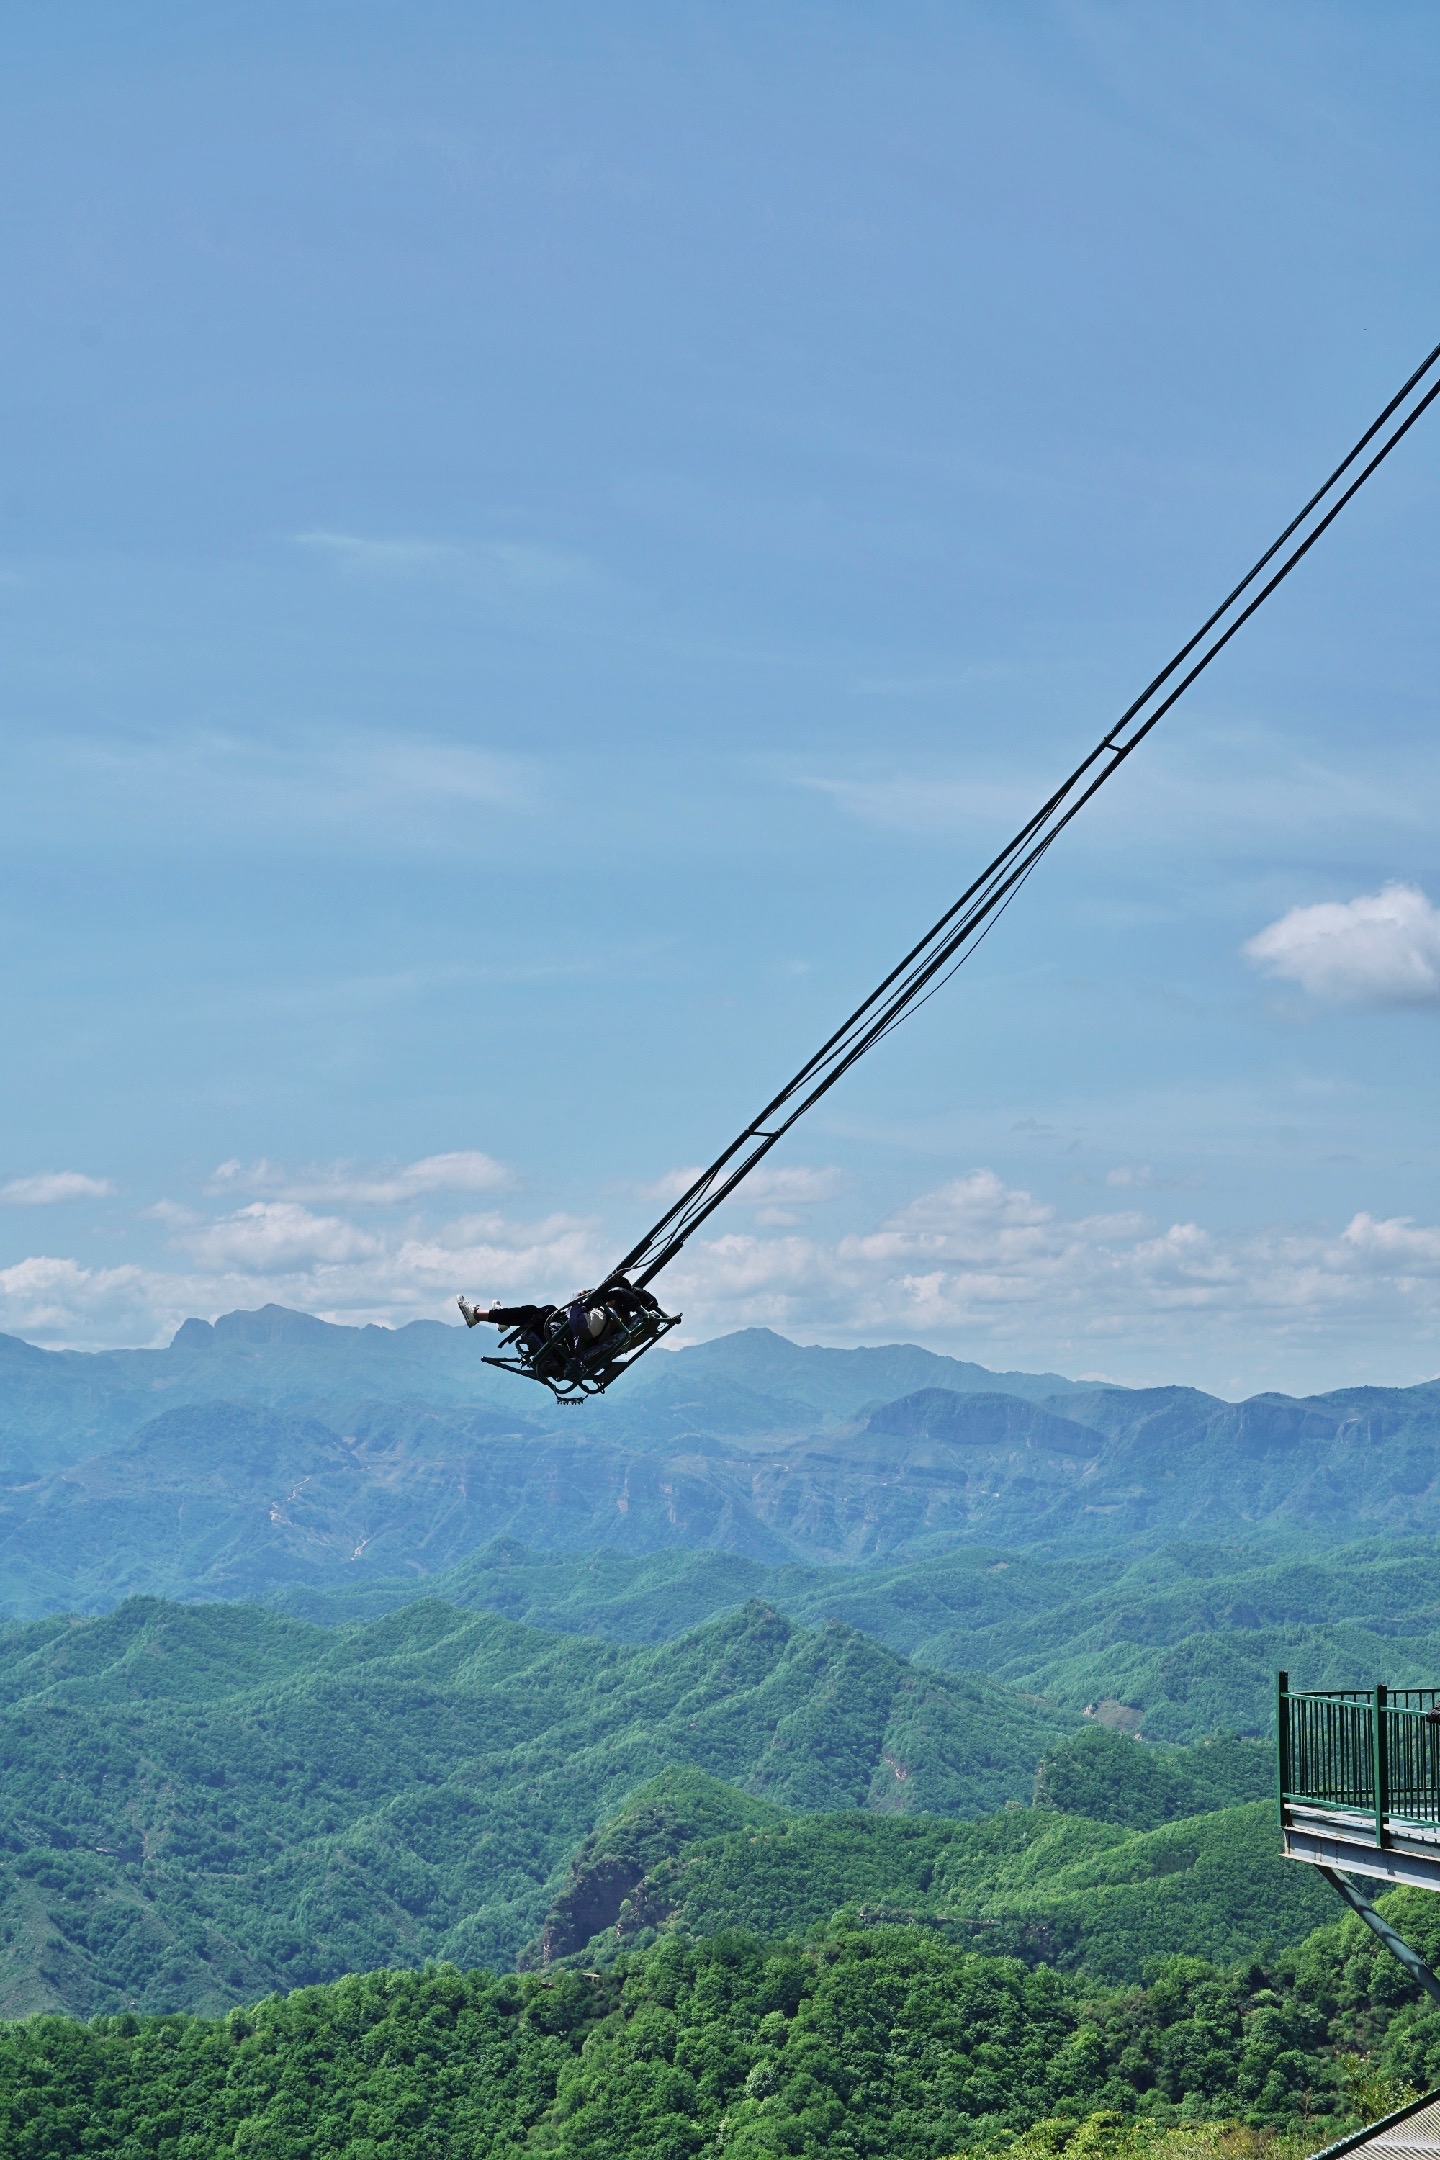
(1399, 1949)
(1392, 1869)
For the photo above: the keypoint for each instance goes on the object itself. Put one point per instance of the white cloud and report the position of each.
(44, 1300)
(463, 1170)
(277, 1237)
(1380, 949)
(974, 1266)
(52, 1186)
(993, 1272)
(278, 1251)
(1396, 1245)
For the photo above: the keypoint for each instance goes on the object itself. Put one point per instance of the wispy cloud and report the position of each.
(519, 566)
(463, 1170)
(378, 557)
(1139, 1177)
(1234, 783)
(666, 1190)
(1380, 949)
(347, 787)
(937, 682)
(48, 1188)
(774, 1191)
(793, 1184)
(928, 803)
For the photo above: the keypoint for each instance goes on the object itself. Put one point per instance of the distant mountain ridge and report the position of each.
(59, 1406)
(272, 1452)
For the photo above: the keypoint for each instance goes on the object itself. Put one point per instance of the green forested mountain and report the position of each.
(630, 1770)
(1049, 1889)
(201, 1803)
(884, 2040)
(687, 1854)
(204, 1802)
(1187, 1637)
(1102, 1774)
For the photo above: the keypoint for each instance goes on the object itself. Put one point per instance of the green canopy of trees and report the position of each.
(883, 2041)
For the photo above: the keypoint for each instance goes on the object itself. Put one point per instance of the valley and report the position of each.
(325, 1657)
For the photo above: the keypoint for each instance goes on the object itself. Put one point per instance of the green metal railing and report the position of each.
(1361, 1751)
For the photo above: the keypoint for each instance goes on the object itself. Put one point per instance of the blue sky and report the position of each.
(539, 546)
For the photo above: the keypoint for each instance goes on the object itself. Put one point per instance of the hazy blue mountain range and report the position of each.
(273, 1452)
(58, 1406)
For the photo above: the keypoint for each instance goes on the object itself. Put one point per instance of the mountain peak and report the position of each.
(273, 1324)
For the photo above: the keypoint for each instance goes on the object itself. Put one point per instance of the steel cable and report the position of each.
(949, 942)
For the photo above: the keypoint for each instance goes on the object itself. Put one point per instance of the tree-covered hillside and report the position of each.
(858, 2043)
(205, 1802)
(1184, 1640)
(687, 1854)
(201, 1803)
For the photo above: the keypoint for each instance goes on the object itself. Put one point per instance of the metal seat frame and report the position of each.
(570, 1374)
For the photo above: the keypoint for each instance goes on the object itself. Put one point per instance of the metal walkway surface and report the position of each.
(1411, 2133)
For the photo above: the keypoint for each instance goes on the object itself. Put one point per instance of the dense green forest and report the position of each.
(876, 2041)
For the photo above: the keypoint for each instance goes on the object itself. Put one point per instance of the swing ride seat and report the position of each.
(570, 1373)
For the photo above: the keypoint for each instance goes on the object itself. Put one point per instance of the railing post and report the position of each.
(1282, 1744)
(1382, 1763)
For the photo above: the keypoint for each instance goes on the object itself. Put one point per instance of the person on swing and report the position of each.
(586, 1318)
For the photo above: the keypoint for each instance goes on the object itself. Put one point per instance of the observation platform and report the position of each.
(1359, 1775)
